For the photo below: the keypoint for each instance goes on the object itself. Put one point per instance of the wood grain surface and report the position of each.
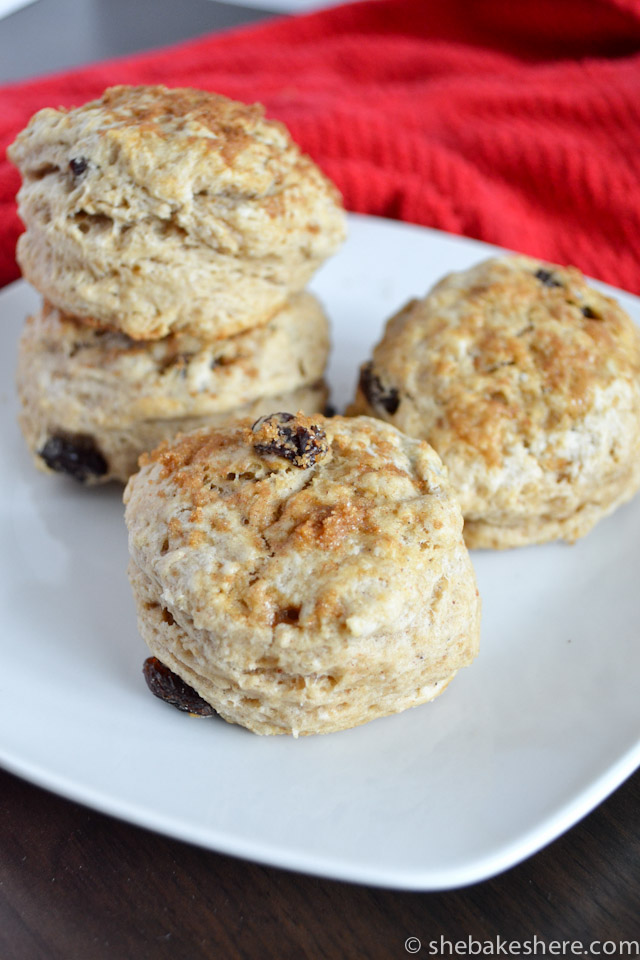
(78, 885)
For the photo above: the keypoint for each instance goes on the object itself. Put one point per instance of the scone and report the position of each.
(526, 381)
(94, 400)
(154, 210)
(301, 575)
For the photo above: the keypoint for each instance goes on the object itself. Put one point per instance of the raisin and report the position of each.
(375, 392)
(590, 314)
(297, 439)
(78, 166)
(547, 278)
(289, 615)
(171, 688)
(74, 454)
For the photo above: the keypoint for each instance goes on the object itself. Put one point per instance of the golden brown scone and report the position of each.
(526, 382)
(302, 575)
(153, 210)
(120, 397)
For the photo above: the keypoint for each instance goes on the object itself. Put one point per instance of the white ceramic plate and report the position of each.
(538, 731)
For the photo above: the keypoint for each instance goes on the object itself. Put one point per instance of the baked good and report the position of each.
(112, 452)
(93, 400)
(110, 398)
(302, 574)
(526, 381)
(153, 210)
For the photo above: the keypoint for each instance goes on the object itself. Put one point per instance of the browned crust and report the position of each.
(538, 355)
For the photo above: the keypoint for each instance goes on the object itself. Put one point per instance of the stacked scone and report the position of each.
(171, 234)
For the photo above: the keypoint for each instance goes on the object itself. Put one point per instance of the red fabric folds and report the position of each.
(515, 123)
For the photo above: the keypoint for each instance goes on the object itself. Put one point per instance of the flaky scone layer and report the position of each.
(154, 210)
(96, 453)
(86, 378)
(302, 597)
(526, 381)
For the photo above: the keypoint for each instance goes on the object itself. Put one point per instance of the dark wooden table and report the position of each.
(77, 885)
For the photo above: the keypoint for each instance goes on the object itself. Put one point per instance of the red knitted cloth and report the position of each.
(513, 122)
